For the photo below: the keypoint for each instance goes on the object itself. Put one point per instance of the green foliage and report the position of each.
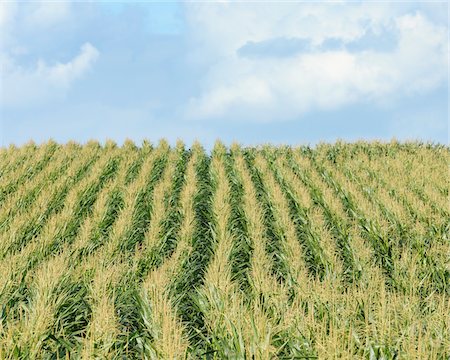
(191, 273)
(242, 247)
(387, 297)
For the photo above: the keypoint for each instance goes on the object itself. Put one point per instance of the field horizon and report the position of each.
(159, 251)
(111, 142)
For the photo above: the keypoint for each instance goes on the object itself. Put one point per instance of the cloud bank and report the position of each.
(279, 62)
(41, 80)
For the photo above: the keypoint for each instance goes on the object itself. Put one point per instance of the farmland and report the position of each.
(334, 251)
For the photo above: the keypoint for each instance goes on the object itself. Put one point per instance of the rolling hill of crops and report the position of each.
(152, 251)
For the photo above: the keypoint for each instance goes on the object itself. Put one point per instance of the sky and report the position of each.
(251, 72)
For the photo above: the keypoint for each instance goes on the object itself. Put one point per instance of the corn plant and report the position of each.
(177, 252)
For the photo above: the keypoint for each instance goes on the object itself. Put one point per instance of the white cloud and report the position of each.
(32, 16)
(34, 85)
(248, 91)
(7, 13)
(23, 85)
(269, 88)
(46, 14)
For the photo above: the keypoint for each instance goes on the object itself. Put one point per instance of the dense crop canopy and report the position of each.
(159, 252)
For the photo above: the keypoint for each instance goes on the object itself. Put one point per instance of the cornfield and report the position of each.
(333, 251)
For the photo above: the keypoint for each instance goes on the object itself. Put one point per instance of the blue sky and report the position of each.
(239, 71)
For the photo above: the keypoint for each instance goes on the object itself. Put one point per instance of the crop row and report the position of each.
(160, 252)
